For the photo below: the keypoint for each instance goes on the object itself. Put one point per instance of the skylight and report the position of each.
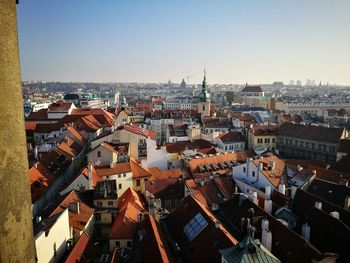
(195, 226)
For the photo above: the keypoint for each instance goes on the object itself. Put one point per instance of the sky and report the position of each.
(235, 41)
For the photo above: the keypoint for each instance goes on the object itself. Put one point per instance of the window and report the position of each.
(128, 244)
(119, 175)
(119, 186)
(138, 182)
(99, 203)
(260, 140)
(273, 140)
(195, 226)
(244, 169)
(117, 244)
(331, 149)
(312, 146)
(99, 154)
(124, 175)
(253, 174)
(281, 140)
(98, 217)
(203, 107)
(110, 203)
(267, 140)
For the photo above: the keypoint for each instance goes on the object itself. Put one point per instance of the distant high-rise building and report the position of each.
(299, 83)
(291, 82)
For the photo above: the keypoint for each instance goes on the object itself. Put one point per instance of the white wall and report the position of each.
(59, 234)
(80, 181)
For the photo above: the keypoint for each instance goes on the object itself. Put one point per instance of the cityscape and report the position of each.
(105, 159)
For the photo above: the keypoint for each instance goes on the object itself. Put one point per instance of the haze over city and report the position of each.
(154, 41)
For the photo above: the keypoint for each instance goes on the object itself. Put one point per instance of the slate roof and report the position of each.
(308, 132)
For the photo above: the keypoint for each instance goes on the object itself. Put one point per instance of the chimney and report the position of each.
(318, 205)
(347, 203)
(314, 172)
(282, 188)
(273, 165)
(264, 224)
(202, 182)
(247, 166)
(268, 206)
(104, 191)
(299, 168)
(335, 214)
(255, 198)
(266, 239)
(268, 192)
(38, 219)
(90, 175)
(305, 231)
(214, 207)
(260, 169)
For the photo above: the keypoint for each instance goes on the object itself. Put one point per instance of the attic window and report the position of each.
(195, 226)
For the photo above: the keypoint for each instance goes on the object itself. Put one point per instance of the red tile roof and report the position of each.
(230, 137)
(60, 106)
(125, 223)
(154, 246)
(38, 115)
(264, 130)
(133, 128)
(252, 89)
(77, 253)
(180, 146)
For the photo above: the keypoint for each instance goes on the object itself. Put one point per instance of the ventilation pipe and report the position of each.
(268, 192)
(268, 206)
(282, 188)
(305, 231)
(335, 214)
(318, 205)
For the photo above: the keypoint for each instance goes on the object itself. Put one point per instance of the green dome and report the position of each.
(204, 96)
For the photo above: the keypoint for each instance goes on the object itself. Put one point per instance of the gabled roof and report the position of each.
(76, 220)
(138, 170)
(273, 175)
(105, 118)
(231, 137)
(287, 245)
(252, 89)
(309, 132)
(323, 225)
(125, 223)
(158, 174)
(60, 106)
(87, 123)
(329, 191)
(77, 253)
(38, 115)
(133, 128)
(267, 130)
(212, 122)
(304, 201)
(206, 245)
(78, 135)
(180, 146)
(154, 245)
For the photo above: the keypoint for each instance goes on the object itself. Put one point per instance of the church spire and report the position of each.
(204, 82)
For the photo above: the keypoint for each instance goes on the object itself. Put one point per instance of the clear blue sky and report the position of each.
(236, 41)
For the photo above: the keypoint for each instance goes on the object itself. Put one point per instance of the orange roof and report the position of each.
(77, 221)
(275, 175)
(60, 106)
(138, 170)
(95, 177)
(138, 130)
(157, 174)
(78, 250)
(87, 123)
(237, 156)
(117, 168)
(125, 223)
(81, 137)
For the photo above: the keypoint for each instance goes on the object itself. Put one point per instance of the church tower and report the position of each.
(204, 99)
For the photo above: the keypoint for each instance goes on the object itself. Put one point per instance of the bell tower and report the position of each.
(204, 99)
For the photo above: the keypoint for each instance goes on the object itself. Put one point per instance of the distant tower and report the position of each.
(183, 84)
(123, 103)
(204, 99)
